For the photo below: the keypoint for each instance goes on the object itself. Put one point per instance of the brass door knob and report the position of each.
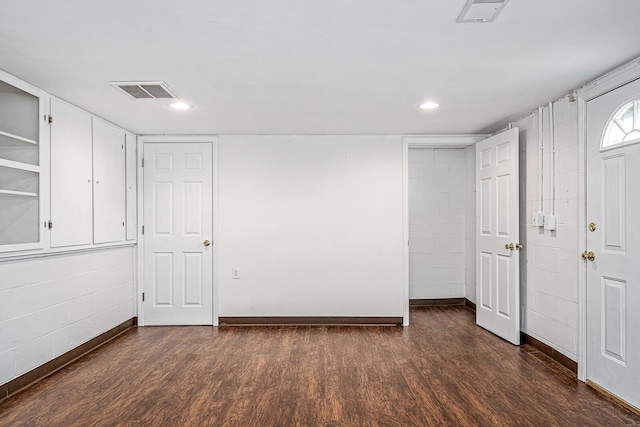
(589, 256)
(206, 243)
(519, 246)
(509, 246)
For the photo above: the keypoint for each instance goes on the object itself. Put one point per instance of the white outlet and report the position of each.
(235, 273)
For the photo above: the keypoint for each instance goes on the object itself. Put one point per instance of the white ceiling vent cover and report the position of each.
(146, 90)
(481, 11)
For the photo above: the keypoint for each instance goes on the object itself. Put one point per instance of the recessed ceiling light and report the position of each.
(429, 105)
(179, 105)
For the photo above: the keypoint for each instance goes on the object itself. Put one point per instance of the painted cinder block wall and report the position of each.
(437, 217)
(550, 261)
(52, 304)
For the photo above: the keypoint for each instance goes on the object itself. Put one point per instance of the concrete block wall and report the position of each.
(470, 224)
(53, 304)
(550, 260)
(437, 215)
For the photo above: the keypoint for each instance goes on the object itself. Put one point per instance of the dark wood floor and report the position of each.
(442, 370)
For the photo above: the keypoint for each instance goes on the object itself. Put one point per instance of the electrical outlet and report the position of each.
(235, 273)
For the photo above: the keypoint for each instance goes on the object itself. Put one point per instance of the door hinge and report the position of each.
(49, 119)
(143, 162)
(50, 224)
(143, 229)
(143, 297)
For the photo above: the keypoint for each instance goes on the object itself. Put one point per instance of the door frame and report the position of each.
(213, 140)
(606, 83)
(422, 141)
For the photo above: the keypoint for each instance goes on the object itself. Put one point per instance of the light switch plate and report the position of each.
(538, 219)
(550, 222)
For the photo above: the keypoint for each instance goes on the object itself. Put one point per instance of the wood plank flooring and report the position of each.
(440, 371)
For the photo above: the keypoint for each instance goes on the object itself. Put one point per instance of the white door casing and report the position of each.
(178, 219)
(497, 230)
(613, 277)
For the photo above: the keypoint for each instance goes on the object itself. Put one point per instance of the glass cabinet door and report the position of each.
(21, 225)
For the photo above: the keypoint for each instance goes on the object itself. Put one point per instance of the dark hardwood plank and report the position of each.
(441, 370)
(549, 351)
(43, 371)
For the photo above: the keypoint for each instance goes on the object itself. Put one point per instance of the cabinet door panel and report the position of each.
(71, 175)
(108, 183)
(131, 173)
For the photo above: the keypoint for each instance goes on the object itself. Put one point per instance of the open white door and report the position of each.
(497, 236)
(178, 254)
(613, 242)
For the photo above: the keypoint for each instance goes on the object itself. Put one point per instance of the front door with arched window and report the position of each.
(613, 242)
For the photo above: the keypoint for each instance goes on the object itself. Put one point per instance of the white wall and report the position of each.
(436, 223)
(314, 223)
(470, 224)
(550, 260)
(51, 305)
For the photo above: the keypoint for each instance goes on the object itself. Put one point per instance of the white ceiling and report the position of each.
(314, 67)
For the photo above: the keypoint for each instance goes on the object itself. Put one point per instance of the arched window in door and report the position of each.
(623, 127)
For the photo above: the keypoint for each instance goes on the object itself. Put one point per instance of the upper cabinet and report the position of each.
(22, 170)
(67, 178)
(71, 176)
(131, 167)
(109, 190)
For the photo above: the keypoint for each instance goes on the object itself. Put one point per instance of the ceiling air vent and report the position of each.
(146, 90)
(481, 11)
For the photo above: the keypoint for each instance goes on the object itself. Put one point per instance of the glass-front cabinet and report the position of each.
(21, 169)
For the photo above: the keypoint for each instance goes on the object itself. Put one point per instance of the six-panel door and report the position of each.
(497, 216)
(178, 252)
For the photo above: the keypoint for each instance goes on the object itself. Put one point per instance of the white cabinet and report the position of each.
(109, 195)
(132, 190)
(21, 165)
(71, 176)
(67, 178)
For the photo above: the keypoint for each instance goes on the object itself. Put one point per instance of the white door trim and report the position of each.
(140, 251)
(422, 141)
(610, 81)
(443, 141)
(405, 232)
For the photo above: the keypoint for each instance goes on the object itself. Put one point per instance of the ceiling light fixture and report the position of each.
(429, 105)
(481, 11)
(179, 105)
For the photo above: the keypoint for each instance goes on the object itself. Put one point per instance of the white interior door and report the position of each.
(178, 221)
(497, 233)
(613, 276)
